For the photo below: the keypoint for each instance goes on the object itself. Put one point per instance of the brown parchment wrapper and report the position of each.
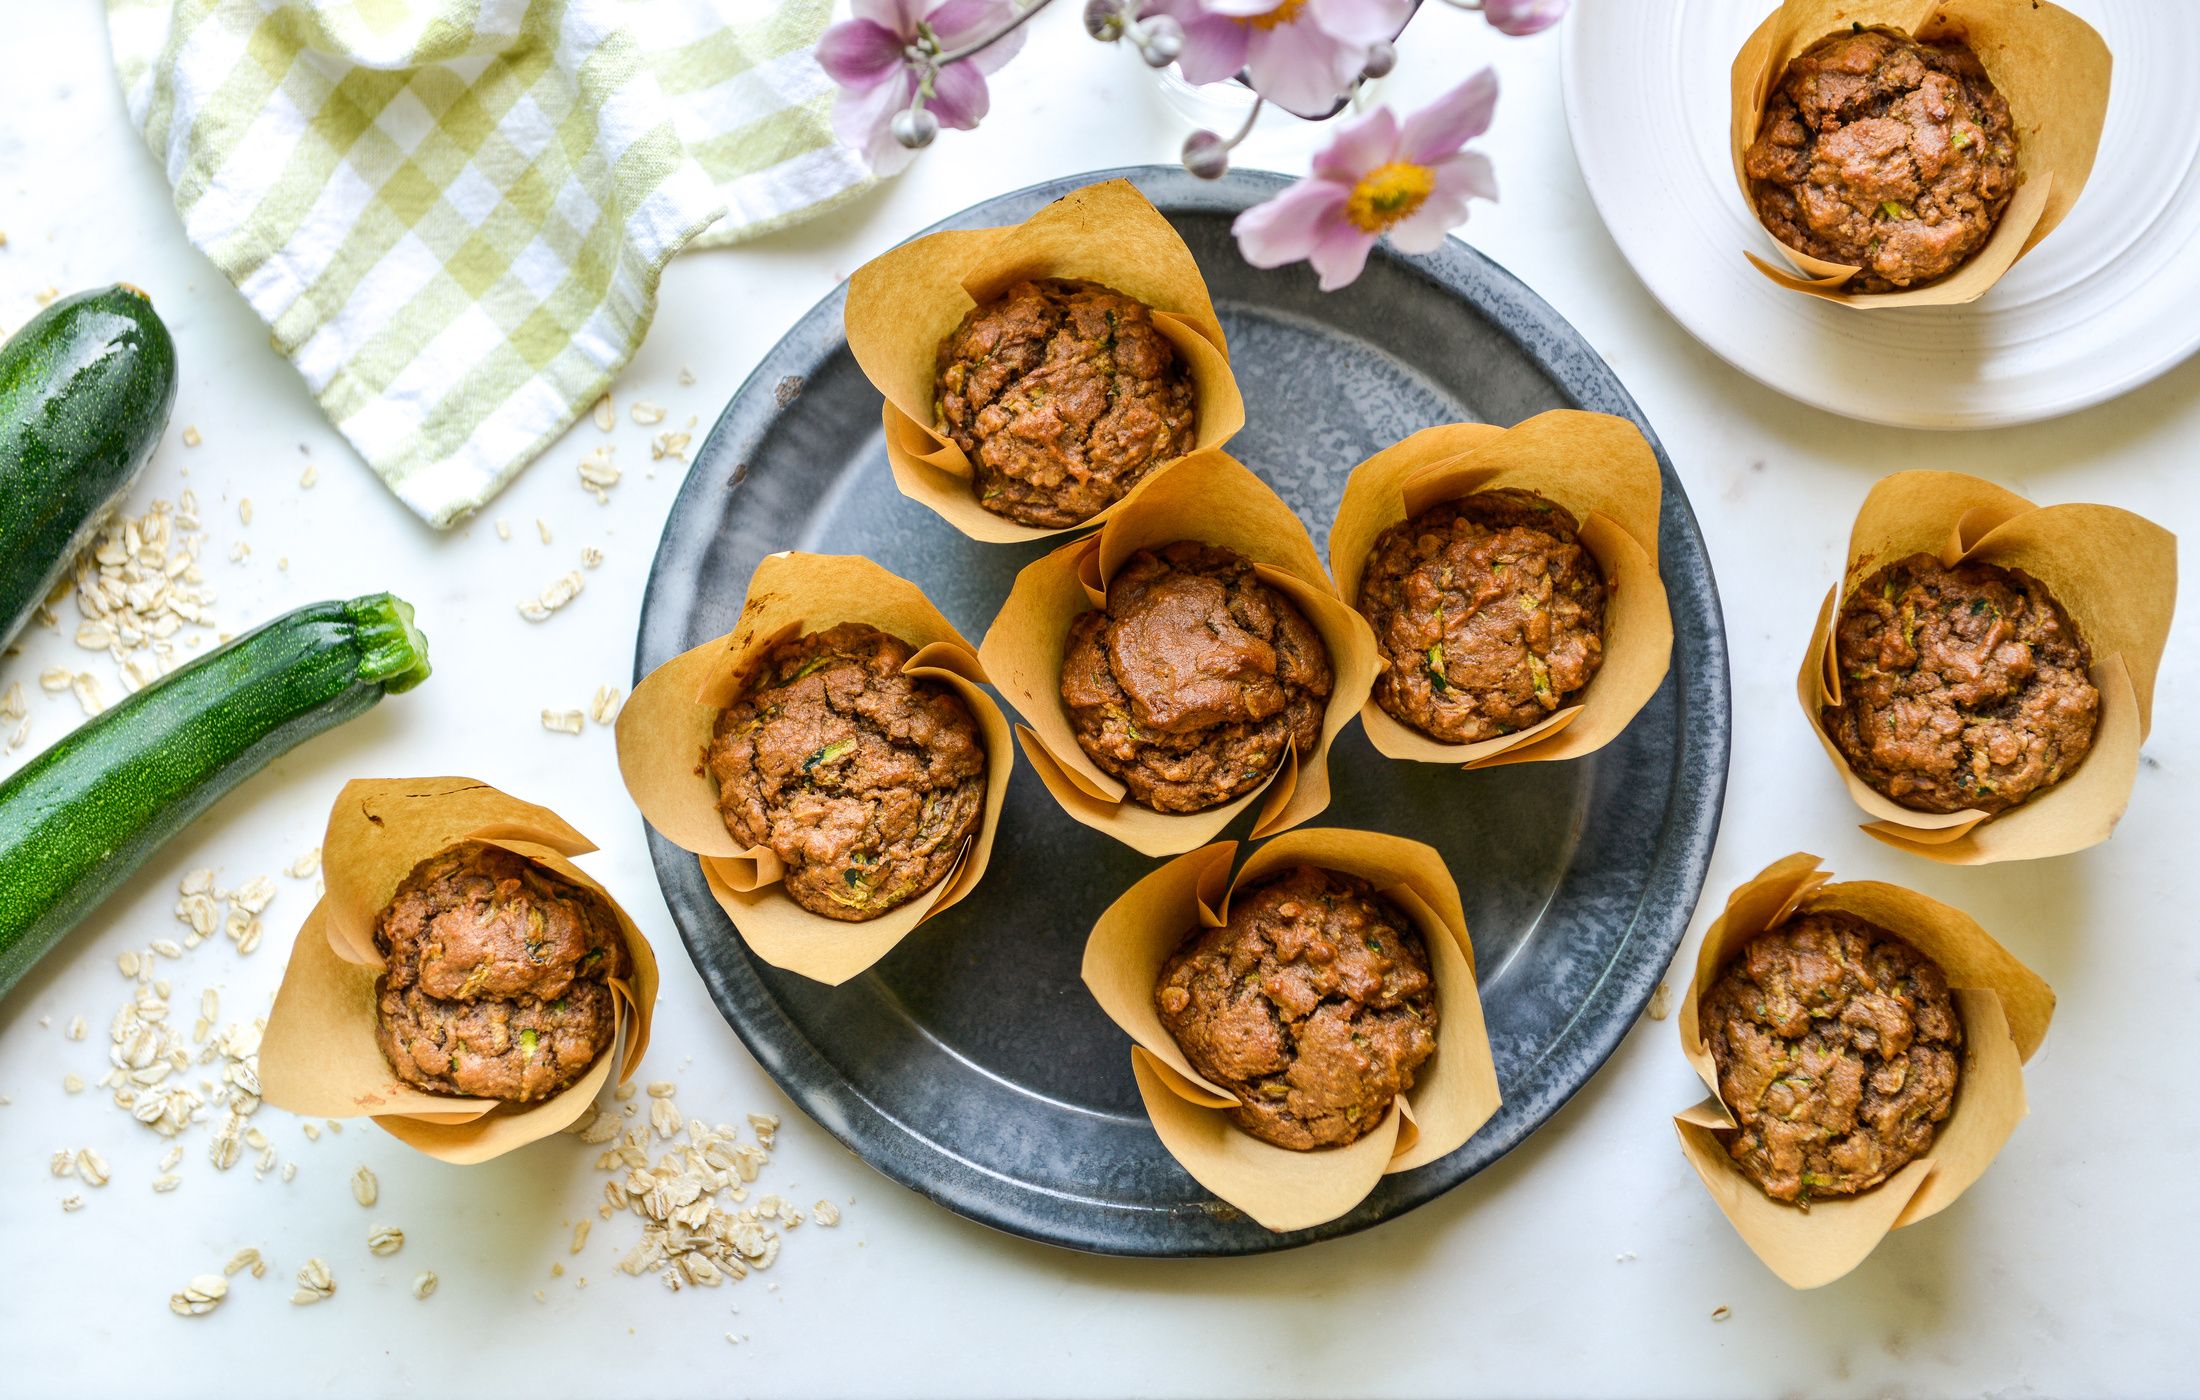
(664, 731)
(1208, 497)
(1598, 467)
(319, 1058)
(2051, 66)
(2004, 1006)
(903, 303)
(1454, 1093)
(2114, 573)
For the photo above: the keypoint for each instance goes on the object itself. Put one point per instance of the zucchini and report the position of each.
(78, 819)
(85, 392)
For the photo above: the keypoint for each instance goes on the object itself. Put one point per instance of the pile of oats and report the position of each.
(137, 586)
(699, 1225)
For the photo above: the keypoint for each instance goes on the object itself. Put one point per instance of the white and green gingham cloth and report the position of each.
(454, 213)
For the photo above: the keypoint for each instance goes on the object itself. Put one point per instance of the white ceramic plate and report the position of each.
(2110, 300)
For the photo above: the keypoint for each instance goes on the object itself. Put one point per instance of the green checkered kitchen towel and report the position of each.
(454, 213)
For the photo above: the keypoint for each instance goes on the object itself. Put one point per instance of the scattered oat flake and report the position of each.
(244, 510)
(560, 591)
(306, 866)
(200, 1296)
(310, 475)
(76, 1029)
(1661, 1003)
(425, 1284)
(580, 1234)
(606, 416)
(591, 556)
(91, 1167)
(72, 1083)
(605, 707)
(563, 721)
(542, 528)
(646, 412)
(1721, 1313)
(687, 376)
(166, 1182)
(72, 1203)
(191, 436)
(826, 1214)
(55, 678)
(504, 528)
(89, 693)
(312, 1131)
(669, 444)
(385, 1240)
(315, 1282)
(12, 704)
(246, 1258)
(365, 1189)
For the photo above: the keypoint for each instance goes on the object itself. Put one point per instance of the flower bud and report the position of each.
(1104, 20)
(1206, 155)
(1382, 56)
(1160, 40)
(914, 127)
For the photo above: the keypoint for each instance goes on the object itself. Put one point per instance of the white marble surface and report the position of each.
(1589, 1261)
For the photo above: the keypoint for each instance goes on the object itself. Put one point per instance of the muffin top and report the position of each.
(1837, 1048)
(865, 782)
(1884, 153)
(1960, 688)
(1062, 394)
(1489, 614)
(1313, 1004)
(495, 972)
(1194, 679)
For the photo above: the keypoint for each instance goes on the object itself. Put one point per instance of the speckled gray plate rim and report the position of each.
(970, 1064)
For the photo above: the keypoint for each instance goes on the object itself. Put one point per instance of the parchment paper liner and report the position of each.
(2113, 572)
(1602, 470)
(903, 303)
(1208, 497)
(2051, 66)
(1454, 1093)
(665, 728)
(318, 1057)
(2004, 1006)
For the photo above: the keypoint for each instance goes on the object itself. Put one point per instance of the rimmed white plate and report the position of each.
(2107, 302)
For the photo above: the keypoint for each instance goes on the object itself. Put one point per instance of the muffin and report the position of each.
(864, 782)
(1963, 688)
(1062, 394)
(1890, 155)
(1837, 1049)
(1489, 614)
(1314, 1005)
(495, 980)
(1191, 683)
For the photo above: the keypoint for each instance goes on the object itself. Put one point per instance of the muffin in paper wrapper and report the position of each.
(665, 729)
(319, 1057)
(1603, 471)
(2113, 572)
(903, 303)
(2051, 67)
(1454, 1093)
(1216, 500)
(2004, 1008)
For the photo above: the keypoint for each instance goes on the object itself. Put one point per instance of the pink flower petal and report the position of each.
(1361, 22)
(1214, 48)
(862, 119)
(1451, 121)
(1241, 9)
(1523, 17)
(959, 97)
(859, 53)
(1341, 254)
(1300, 68)
(958, 22)
(895, 16)
(1286, 228)
(1360, 145)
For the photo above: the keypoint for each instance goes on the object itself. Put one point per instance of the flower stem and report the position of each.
(980, 44)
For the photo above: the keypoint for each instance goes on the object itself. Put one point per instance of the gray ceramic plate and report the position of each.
(970, 1064)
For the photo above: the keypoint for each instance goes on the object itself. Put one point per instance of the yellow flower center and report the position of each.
(1387, 194)
(1282, 14)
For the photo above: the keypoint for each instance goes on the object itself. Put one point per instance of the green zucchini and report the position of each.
(85, 392)
(79, 818)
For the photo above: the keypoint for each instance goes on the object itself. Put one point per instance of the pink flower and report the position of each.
(1299, 54)
(1523, 17)
(1411, 182)
(870, 57)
